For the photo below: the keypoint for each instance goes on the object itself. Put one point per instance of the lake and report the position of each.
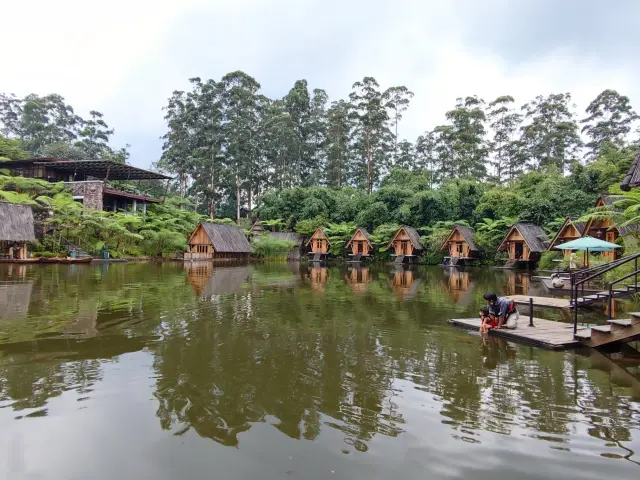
(291, 372)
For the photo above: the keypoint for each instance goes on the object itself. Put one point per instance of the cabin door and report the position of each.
(404, 247)
(460, 249)
(519, 250)
(360, 247)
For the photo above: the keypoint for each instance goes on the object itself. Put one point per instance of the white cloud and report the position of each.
(125, 58)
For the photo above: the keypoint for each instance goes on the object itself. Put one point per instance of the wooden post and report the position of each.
(531, 312)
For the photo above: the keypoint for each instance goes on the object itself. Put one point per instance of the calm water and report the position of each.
(276, 372)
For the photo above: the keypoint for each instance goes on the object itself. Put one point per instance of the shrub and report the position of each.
(270, 248)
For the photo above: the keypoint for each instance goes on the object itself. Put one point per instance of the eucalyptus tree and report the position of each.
(610, 119)
(397, 101)
(467, 137)
(338, 150)
(504, 121)
(550, 135)
(371, 132)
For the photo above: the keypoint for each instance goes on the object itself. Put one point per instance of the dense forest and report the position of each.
(304, 160)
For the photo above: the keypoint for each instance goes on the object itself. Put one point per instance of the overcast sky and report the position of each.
(125, 57)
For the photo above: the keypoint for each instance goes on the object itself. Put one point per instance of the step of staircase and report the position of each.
(583, 334)
(601, 329)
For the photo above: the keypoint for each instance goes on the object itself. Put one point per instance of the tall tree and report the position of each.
(610, 118)
(298, 105)
(372, 134)
(338, 144)
(551, 135)
(426, 156)
(467, 137)
(94, 136)
(317, 135)
(397, 101)
(504, 122)
(405, 156)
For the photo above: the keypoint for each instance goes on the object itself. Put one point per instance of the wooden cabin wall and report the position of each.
(602, 229)
(515, 238)
(360, 240)
(455, 240)
(398, 241)
(319, 243)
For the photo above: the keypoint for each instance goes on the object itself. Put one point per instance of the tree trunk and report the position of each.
(212, 208)
(237, 199)
(249, 202)
(369, 170)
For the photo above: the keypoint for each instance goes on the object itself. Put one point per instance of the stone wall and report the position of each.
(91, 192)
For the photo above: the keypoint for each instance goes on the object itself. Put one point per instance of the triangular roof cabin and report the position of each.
(524, 241)
(360, 242)
(570, 230)
(319, 242)
(406, 241)
(460, 242)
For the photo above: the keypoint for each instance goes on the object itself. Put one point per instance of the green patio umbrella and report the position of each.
(587, 244)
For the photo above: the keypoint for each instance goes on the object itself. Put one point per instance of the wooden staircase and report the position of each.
(615, 331)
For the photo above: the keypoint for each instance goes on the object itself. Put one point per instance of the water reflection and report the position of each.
(230, 348)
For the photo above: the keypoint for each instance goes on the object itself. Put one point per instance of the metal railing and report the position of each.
(580, 278)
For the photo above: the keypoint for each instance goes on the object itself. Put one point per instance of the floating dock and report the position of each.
(547, 302)
(545, 334)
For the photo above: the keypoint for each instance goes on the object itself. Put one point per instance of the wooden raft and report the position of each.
(546, 333)
(541, 301)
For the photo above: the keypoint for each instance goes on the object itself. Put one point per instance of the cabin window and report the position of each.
(319, 243)
(459, 248)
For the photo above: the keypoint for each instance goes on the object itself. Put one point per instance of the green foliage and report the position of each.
(270, 248)
(11, 149)
(548, 260)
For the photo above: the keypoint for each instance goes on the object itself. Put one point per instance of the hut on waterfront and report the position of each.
(298, 243)
(570, 230)
(603, 227)
(318, 245)
(360, 245)
(16, 230)
(256, 231)
(211, 241)
(524, 244)
(461, 247)
(406, 245)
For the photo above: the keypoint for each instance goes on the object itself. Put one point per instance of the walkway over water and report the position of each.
(544, 333)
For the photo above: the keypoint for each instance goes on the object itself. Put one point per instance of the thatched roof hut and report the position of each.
(571, 229)
(214, 240)
(632, 179)
(16, 223)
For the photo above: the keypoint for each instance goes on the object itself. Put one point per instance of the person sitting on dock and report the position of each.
(503, 310)
(487, 320)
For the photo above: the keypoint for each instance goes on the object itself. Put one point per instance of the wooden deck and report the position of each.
(541, 301)
(546, 333)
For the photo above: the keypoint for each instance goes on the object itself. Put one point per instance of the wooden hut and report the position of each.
(460, 286)
(211, 241)
(461, 247)
(570, 230)
(359, 279)
(16, 230)
(318, 277)
(404, 283)
(632, 179)
(256, 231)
(406, 245)
(604, 228)
(524, 244)
(360, 245)
(318, 245)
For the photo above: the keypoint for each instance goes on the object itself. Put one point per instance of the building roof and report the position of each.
(413, 235)
(323, 235)
(632, 179)
(533, 235)
(92, 168)
(364, 233)
(609, 200)
(16, 223)
(569, 221)
(226, 238)
(257, 227)
(289, 237)
(467, 234)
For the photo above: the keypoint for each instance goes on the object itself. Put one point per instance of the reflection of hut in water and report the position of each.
(318, 278)
(405, 283)
(84, 322)
(16, 230)
(14, 300)
(459, 285)
(208, 280)
(517, 283)
(358, 278)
